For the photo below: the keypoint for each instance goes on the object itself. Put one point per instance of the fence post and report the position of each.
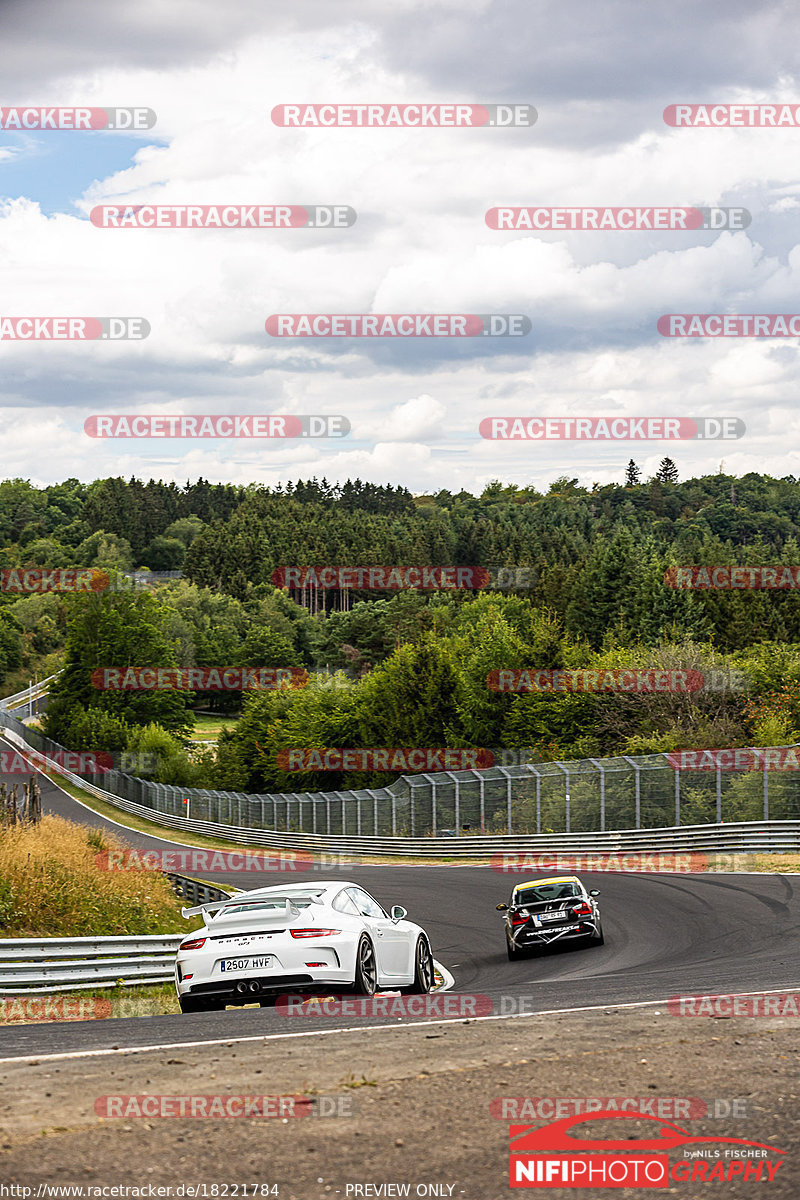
(394, 815)
(638, 791)
(457, 808)
(766, 790)
(328, 809)
(719, 795)
(677, 796)
(483, 803)
(566, 795)
(602, 771)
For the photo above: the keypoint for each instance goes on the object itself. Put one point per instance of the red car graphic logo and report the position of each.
(530, 1138)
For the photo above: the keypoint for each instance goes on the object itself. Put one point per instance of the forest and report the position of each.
(399, 668)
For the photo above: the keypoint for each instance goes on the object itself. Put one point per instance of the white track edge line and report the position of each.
(36, 1059)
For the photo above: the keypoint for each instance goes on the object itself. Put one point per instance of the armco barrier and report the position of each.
(36, 966)
(743, 837)
(510, 809)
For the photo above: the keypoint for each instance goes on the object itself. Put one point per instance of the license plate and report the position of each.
(246, 964)
(554, 916)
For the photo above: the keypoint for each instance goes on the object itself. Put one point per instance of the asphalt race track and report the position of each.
(665, 935)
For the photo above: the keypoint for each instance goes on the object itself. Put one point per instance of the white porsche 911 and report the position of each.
(298, 938)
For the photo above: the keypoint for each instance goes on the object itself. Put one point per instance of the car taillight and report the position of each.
(303, 933)
(193, 945)
(519, 919)
(583, 910)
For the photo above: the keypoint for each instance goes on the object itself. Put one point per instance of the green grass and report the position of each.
(208, 728)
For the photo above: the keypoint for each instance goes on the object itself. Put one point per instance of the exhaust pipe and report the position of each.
(255, 986)
(241, 988)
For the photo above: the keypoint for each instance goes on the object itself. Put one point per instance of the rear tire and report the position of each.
(268, 1002)
(423, 970)
(513, 951)
(598, 940)
(366, 973)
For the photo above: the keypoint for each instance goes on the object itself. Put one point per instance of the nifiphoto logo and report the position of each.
(223, 216)
(403, 116)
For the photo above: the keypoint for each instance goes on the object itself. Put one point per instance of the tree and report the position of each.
(667, 471)
(632, 474)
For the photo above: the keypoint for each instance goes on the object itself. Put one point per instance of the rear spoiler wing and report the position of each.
(290, 910)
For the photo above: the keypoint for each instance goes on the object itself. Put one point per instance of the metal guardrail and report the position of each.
(34, 692)
(35, 966)
(742, 837)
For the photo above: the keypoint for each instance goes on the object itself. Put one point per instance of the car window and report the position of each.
(365, 904)
(272, 904)
(546, 891)
(343, 903)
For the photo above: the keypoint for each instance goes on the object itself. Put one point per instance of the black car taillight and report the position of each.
(583, 910)
(519, 918)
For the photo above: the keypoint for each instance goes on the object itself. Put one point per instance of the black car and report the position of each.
(543, 911)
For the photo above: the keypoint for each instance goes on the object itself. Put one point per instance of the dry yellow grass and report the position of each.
(50, 884)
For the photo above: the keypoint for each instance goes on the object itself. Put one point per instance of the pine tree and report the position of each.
(667, 471)
(632, 475)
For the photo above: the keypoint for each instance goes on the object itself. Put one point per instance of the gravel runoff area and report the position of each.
(411, 1105)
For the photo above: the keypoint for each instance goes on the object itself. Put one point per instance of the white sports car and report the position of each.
(298, 938)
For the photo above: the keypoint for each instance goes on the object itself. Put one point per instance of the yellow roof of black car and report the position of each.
(550, 879)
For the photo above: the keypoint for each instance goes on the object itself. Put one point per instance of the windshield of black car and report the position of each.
(547, 891)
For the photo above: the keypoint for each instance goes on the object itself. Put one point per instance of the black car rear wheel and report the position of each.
(514, 951)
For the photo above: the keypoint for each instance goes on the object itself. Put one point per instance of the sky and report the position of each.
(599, 78)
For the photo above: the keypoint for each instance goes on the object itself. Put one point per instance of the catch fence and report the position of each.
(583, 796)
